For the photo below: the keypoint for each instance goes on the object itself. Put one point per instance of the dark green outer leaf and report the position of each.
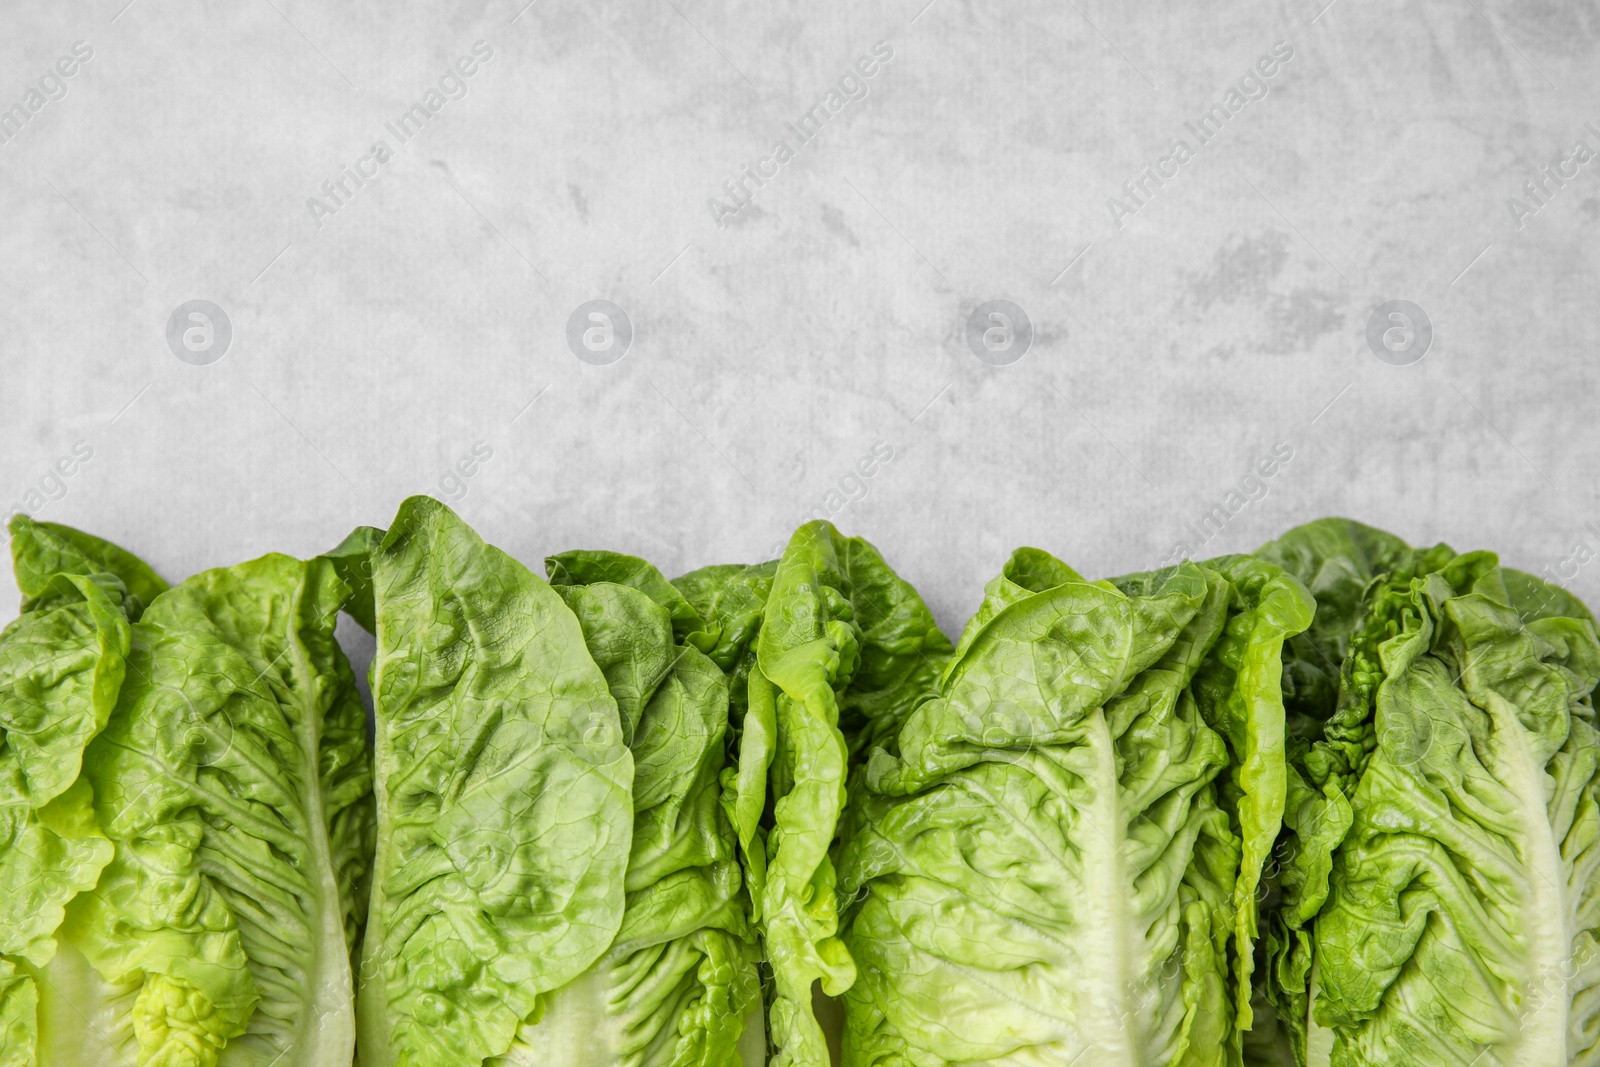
(352, 560)
(504, 798)
(902, 651)
(595, 566)
(678, 983)
(41, 550)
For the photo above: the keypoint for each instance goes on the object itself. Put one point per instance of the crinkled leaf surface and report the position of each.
(679, 982)
(62, 663)
(233, 782)
(732, 599)
(826, 651)
(1336, 559)
(902, 651)
(1440, 886)
(1357, 576)
(19, 1005)
(1463, 906)
(61, 667)
(1044, 874)
(842, 635)
(596, 566)
(1239, 690)
(42, 550)
(504, 792)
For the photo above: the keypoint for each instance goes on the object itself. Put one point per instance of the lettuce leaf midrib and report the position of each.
(1458, 831)
(1096, 681)
(1526, 776)
(318, 974)
(333, 997)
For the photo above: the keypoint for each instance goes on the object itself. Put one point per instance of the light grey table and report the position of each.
(1181, 328)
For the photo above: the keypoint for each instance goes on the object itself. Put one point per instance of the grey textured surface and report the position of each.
(374, 346)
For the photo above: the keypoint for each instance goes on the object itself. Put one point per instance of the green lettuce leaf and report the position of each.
(61, 669)
(1437, 896)
(679, 984)
(1336, 559)
(901, 653)
(732, 599)
(1357, 576)
(826, 651)
(504, 792)
(1239, 690)
(1533, 598)
(62, 665)
(1044, 873)
(51, 854)
(590, 567)
(233, 782)
(1463, 906)
(629, 637)
(1028, 571)
(19, 1006)
(844, 643)
(352, 562)
(42, 550)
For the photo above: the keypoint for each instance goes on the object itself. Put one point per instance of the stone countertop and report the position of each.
(400, 213)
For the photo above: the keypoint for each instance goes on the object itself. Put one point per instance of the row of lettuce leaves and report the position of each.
(184, 812)
(553, 878)
(608, 803)
(1435, 896)
(600, 801)
(603, 799)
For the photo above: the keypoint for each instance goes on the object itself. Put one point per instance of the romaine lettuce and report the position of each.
(731, 600)
(505, 797)
(678, 986)
(1239, 690)
(1053, 864)
(1440, 901)
(1171, 818)
(824, 649)
(62, 663)
(223, 784)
